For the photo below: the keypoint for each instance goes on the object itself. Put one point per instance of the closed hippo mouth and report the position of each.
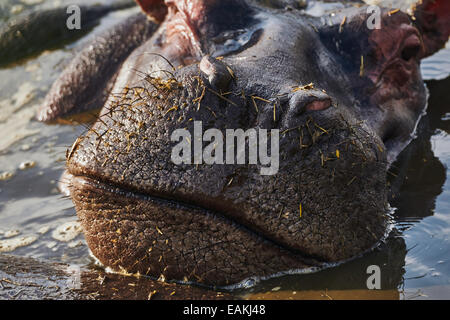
(177, 240)
(171, 239)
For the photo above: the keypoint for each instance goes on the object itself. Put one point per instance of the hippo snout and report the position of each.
(143, 213)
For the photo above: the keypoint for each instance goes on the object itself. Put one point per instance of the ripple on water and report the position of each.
(437, 67)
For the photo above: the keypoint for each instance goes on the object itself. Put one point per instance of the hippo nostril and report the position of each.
(318, 105)
(219, 75)
(410, 52)
(308, 100)
(411, 48)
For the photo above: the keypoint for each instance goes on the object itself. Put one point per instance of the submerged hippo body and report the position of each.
(38, 29)
(345, 99)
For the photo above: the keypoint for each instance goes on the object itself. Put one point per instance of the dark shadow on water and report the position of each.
(418, 176)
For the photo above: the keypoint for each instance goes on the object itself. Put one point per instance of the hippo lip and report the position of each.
(81, 181)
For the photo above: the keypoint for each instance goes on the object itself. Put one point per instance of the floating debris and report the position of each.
(54, 191)
(341, 26)
(27, 165)
(67, 231)
(9, 245)
(25, 147)
(11, 233)
(52, 244)
(6, 175)
(74, 244)
(16, 9)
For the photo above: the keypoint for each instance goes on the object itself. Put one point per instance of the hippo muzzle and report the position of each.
(325, 203)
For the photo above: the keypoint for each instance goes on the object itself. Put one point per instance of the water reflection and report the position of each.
(418, 175)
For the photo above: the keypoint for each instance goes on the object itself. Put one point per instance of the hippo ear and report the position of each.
(157, 9)
(433, 19)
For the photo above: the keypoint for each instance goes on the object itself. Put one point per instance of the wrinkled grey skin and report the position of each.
(219, 224)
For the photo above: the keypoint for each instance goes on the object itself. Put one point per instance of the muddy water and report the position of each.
(37, 221)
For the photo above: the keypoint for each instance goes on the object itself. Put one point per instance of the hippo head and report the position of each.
(339, 100)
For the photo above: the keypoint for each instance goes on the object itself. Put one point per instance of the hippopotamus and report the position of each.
(342, 97)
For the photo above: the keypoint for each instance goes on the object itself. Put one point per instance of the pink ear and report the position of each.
(156, 9)
(433, 18)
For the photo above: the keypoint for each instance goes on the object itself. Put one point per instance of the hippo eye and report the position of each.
(318, 105)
